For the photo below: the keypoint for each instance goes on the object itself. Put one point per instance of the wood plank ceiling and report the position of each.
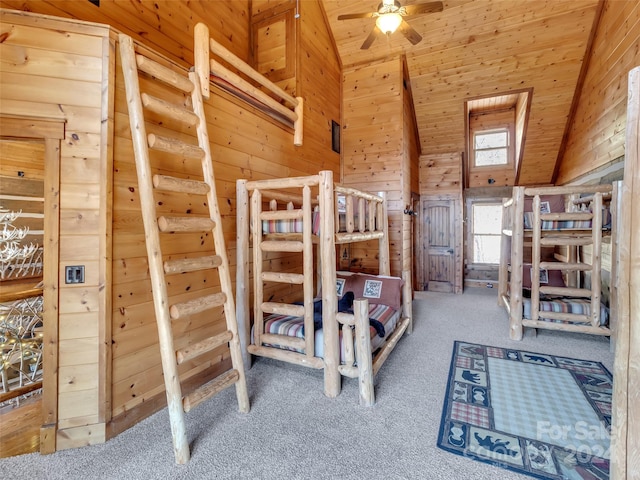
(478, 48)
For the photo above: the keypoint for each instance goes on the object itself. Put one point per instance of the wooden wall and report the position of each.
(597, 134)
(245, 144)
(440, 173)
(374, 149)
(410, 171)
(56, 70)
(164, 26)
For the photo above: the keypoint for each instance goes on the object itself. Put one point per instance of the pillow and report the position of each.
(548, 204)
(550, 278)
(379, 290)
(341, 283)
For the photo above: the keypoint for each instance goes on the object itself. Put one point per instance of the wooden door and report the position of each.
(441, 249)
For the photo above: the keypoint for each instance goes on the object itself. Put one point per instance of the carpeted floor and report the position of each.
(294, 432)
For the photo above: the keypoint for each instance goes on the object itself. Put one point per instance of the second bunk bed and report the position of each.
(550, 273)
(293, 227)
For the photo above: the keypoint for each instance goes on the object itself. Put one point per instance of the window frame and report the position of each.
(506, 148)
(471, 234)
(502, 127)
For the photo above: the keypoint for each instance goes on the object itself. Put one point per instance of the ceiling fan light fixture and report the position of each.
(389, 22)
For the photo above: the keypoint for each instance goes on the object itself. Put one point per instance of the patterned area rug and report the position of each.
(541, 415)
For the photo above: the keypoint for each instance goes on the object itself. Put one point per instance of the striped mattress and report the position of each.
(295, 226)
(294, 327)
(565, 305)
(567, 224)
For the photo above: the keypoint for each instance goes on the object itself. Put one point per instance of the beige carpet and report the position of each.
(294, 432)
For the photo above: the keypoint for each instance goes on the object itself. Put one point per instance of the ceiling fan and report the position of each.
(389, 17)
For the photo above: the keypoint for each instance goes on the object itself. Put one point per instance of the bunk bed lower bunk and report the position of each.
(356, 319)
(550, 274)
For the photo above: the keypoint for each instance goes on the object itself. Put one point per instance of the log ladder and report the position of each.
(165, 311)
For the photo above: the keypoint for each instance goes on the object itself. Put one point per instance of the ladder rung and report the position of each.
(209, 389)
(283, 309)
(281, 214)
(564, 216)
(168, 109)
(185, 224)
(180, 185)
(283, 341)
(294, 278)
(566, 291)
(192, 351)
(565, 266)
(281, 246)
(197, 305)
(192, 264)
(576, 241)
(174, 146)
(164, 74)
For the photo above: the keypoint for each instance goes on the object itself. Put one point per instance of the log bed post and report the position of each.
(258, 287)
(363, 352)
(329, 302)
(505, 252)
(517, 245)
(242, 269)
(536, 239)
(383, 224)
(307, 268)
(596, 258)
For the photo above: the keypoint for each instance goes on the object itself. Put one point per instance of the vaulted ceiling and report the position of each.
(479, 48)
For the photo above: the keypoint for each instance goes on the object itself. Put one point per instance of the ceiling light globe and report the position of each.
(389, 22)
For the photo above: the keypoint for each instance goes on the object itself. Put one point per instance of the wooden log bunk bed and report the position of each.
(554, 225)
(292, 215)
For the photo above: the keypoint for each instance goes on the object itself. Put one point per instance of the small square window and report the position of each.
(491, 148)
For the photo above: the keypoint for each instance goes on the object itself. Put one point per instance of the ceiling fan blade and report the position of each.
(350, 16)
(408, 31)
(420, 8)
(372, 36)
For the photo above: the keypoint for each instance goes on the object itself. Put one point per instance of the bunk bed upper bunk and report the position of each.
(545, 278)
(291, 215)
